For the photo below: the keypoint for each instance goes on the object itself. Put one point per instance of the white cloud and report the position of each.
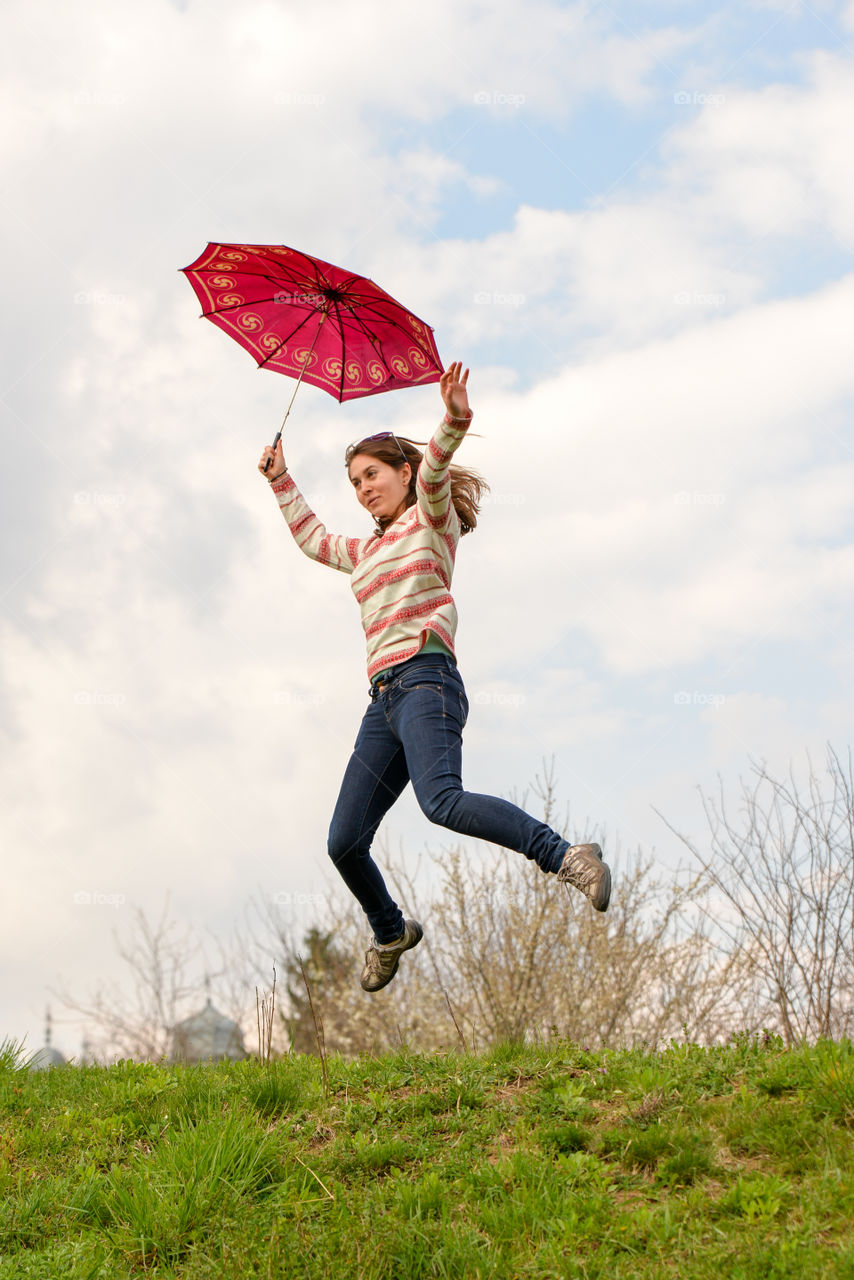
(743, 191)
(645, 482)
(774, 161)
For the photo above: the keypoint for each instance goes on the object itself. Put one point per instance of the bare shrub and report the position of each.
(780, 875)
(521, 955)
(510, 953)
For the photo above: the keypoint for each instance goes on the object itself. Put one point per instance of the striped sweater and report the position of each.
(402, 580)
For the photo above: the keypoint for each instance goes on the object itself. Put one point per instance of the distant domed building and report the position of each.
(207, 1036)
(47, 1056)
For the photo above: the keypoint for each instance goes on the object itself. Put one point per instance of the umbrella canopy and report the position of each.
(306, 318)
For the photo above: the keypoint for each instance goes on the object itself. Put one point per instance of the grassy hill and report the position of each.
(527, 1161)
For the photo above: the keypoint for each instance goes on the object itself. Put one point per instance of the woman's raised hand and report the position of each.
(277, 465)
(453, 387)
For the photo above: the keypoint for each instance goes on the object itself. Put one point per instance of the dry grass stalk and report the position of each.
(456, 1024)
(314, 1175)
(318, 1029)
(265, 1007)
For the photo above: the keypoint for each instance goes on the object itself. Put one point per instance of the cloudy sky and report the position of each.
(635, 222)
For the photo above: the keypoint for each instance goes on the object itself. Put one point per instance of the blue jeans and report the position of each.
(412, 732)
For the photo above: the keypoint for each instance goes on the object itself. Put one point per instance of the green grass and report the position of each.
(732, 1163)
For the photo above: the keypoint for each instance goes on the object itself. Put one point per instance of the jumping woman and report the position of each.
(412, 729)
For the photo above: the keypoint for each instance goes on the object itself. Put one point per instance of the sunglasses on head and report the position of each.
(381, 435)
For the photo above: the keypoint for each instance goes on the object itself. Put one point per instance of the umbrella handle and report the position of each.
(275, 442)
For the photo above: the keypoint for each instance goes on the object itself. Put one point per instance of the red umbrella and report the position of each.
(302, 316)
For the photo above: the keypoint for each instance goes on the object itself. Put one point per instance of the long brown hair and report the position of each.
(467, 486)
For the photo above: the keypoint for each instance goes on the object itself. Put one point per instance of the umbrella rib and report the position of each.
(264, 269)
(306, 285)
(377, 344)
(343, 350)
(286, 270)
(288, 337)
(362, 299)
(396, 325)
(307, 266)
(290, 273)
(374, 341)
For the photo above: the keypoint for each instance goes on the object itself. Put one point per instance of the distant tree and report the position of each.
(327, 970)
(160, 979)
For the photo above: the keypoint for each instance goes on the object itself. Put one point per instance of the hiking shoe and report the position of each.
(382, 959)
(583, 867)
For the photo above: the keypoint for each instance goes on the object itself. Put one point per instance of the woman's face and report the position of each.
(380, 488)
